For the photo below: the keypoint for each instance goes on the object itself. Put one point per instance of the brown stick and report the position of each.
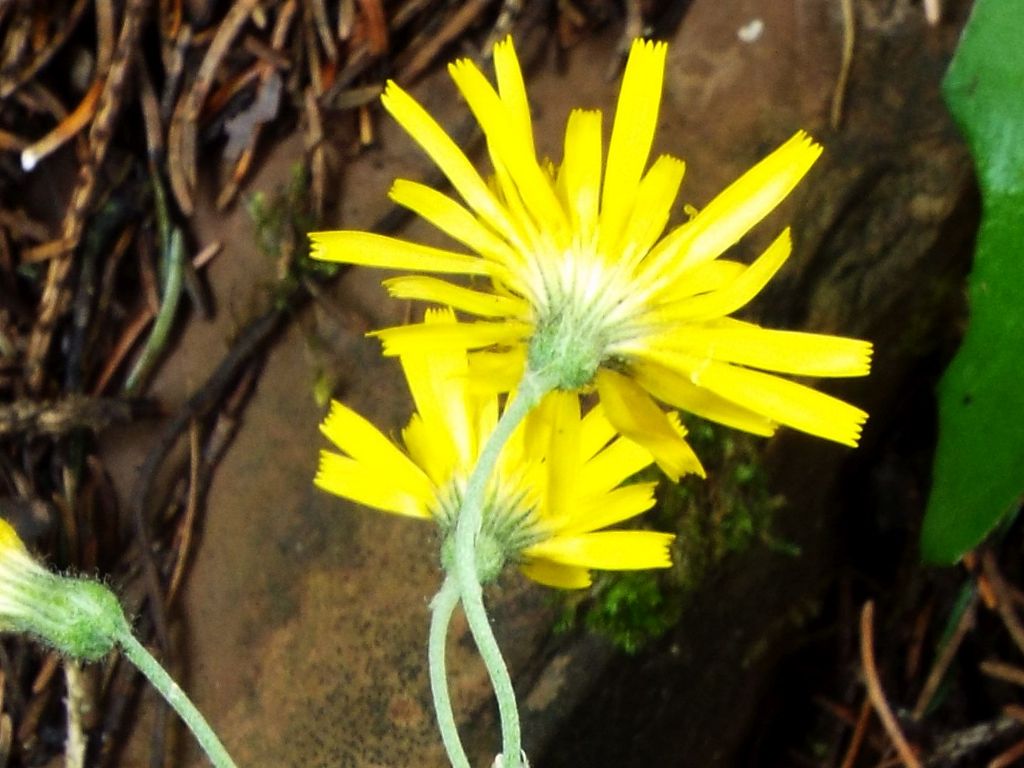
(1009, 757)
(54, 292)
(10, 85)
(941, 665)
(849, 40)
(32, 417)
(857, 739)
(1000, 670)
(875, 692)
(181, 139)
(1004, 602)
(65, 130)
(187, 525)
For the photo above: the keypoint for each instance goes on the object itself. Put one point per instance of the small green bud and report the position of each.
(80, 618)
(92, 619)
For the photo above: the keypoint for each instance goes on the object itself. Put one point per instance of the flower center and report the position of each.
(584, 304)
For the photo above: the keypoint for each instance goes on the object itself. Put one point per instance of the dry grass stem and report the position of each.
(875, 692)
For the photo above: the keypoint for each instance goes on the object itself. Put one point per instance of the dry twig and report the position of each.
(64, 131)
(846, 63)
(100, 132)
(33, 418)
(1000, 670)
(875, 692)
(76, 702)
(425, 53)
(8, 85)
(181, 139)
(188, 521)
(1003, 598)
(857, 739)
(949, 651)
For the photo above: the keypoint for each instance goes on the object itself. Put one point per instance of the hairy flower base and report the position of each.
(77, 617)
(569, 346)
(573, 268)
(556, 486)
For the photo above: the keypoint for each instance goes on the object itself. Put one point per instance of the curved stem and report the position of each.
(531, 389)
(441, 609)
(137, 654)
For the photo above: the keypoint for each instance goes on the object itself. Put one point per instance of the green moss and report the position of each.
(281, 223)
(729, 512)
(631, 609)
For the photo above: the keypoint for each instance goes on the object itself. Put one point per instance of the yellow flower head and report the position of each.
(576, 275)
(557, 482)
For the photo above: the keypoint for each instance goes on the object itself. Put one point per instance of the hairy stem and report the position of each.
(531, 389)
(441, 609)
(137, 654)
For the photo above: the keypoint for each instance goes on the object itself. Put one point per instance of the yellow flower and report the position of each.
(575, 275)
(557, 482)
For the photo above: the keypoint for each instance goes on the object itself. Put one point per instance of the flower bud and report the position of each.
(80, 618)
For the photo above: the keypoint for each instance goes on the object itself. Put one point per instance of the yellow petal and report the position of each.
(497, 371)
(486, 410)
(372, 250)
(438, 383)
(750, 198)
(410, 338)
(517, 469)
(675, 389)
(783, 401)
(554, 575)
(607, 550)
(455, 296)
(736, 294)
(536, 427)
(372, 486)
(513, 92)
(439, 146)
(507, 147)
(709, 276)
(581, 170)
(454, 220)
(364, 442)
(636, 117)
(432, 452)
(563, 453)
(529, 236)
(633, 413)
(622, 458)
(595, 432)
(795, 352)
(654, 200)
(607, 509)
(741, 205)
(9, 539)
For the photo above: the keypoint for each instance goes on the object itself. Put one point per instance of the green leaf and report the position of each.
(979, 461)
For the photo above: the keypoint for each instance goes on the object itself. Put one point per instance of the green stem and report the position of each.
(172, 693)
(441, 609)
(165, 316)
(530, 391)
